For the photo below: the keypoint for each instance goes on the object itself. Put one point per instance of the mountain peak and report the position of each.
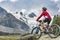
(2, 11)
(2, 8)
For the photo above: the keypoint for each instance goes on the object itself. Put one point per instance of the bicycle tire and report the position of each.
(39, 30)
(55, 30)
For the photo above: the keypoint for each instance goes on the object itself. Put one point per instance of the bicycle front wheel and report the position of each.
(36, 32)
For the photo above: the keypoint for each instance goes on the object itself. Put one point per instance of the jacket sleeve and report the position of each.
(40, 16)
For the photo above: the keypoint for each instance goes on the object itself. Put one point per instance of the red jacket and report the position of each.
(44, 13)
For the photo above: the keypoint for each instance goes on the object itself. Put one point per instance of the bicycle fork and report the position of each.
(37, 30)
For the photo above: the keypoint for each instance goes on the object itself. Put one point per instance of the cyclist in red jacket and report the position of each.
(46, 15)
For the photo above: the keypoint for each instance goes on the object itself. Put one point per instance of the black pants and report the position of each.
(47, 20)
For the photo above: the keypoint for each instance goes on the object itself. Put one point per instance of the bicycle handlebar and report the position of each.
(40, 21)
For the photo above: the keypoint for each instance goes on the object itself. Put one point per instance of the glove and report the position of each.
(36, 20)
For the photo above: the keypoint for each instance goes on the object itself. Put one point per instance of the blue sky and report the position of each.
(13, 5)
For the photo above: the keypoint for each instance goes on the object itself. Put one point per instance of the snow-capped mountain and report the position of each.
(10, 23)
(28, 17)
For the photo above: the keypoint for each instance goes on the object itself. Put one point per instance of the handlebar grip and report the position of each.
(40, 21)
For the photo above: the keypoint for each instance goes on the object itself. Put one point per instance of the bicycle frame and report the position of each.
(43, 25)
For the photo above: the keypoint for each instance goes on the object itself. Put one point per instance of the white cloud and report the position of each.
(55, 0)
(9, 0)
(2, 0)
(14, 0)
(59, 10)
(58, 5)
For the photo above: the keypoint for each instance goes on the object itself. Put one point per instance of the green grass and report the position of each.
(16, 37)
(57, 20)
(8, 38)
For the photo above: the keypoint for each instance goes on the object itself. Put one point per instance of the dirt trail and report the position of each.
(43, 37)
(46, 37)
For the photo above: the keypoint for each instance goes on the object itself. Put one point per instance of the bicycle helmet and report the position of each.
(44, 8)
